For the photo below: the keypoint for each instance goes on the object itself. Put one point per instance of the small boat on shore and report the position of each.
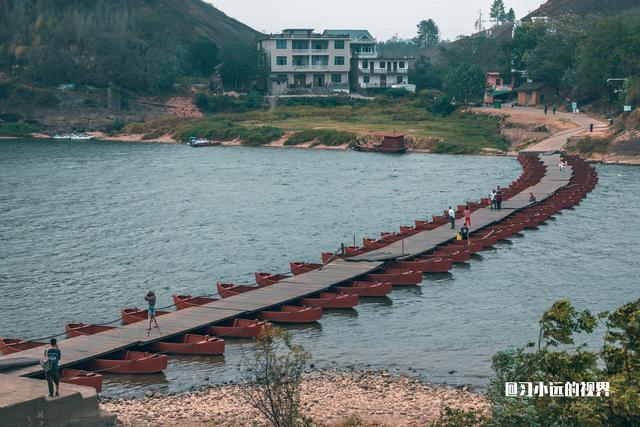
(62, 136)
(292, 314)
(227, 290)
(14, 345)
(79, 377)
(365, 289)
(239, 328)
(185, 301)
(267, 279)
(133, 315)
(80, 329)
(382, 142)
(331, 300)
(189, 344)
(81, 137)
(128, 362)
(202, 142)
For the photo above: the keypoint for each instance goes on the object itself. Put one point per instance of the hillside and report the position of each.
(554, 8)
(137, 44)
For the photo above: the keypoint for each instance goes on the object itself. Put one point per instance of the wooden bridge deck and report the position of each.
(84, 348)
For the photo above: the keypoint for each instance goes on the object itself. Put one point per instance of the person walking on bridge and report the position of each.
(50, 364)
(499, 199)
(492, 199)
(151, 299)
(467, 216)
(452, 217)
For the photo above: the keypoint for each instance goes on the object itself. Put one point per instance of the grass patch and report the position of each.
(17, 129)
(260, 135)
(226, 130)
(327, 137)
(590, 145)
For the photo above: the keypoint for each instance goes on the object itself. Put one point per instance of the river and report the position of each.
(88, 227)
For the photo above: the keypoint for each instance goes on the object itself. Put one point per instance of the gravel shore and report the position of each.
(329, 398)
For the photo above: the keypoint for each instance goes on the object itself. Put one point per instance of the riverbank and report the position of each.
(329, 397)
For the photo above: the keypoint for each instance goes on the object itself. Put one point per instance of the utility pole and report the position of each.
(479, 25)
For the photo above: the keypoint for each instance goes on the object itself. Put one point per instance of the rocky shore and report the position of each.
(329, 398)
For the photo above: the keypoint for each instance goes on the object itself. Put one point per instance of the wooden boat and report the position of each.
(79, 329)
(450, 252)
(267, 279)
(303, 267)
(12, 345)
(382, 142)
(424, 266)
(396, 277)
(373, 244)
(425, 225)
(328, 257)
(486, 239)
(292, 314)
(202, 142)
(227, 290)
(133, 315)
(239, 328)
(407, 230)
(185, 301)
(189, 344)
(79, 377)
(331, 300)
(472, 247)
(128, 362)
(365, 289)
(354, 250)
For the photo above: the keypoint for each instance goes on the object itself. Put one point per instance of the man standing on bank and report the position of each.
(452, 217)
(151, 299)
(52, 355)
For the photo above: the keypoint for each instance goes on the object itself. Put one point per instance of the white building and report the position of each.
(302, 61)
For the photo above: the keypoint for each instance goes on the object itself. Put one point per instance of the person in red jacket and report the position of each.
(467, 216)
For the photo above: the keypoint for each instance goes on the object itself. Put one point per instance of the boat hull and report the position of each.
(240, 328)
(366, 289)
(130, 362)
(292, 315)
(191, 344)
(332, 300)
(83, 378)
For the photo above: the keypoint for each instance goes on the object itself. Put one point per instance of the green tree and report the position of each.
(510, 16)
(202, 57)
(425, 75)
(241, 67)
(466, 84)
(497, 12)
(428, 33)
(274, 373)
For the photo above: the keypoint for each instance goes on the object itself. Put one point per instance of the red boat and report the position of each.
(472, 247)
(365, 289)
(387, 237)
(292, 314)
(10, 345)
(329, 257)
(189, 344)
(239, 328)
(425, 266)
(185, 301)
(133, 315)
(396, 277)
(79, 329)
(383, 142)
(129, 362)
(373, 244)
(303, 267)
(84, 378)
(449, 252)
(331, 300)
(425, 225)
(266, 279)
(227, 290)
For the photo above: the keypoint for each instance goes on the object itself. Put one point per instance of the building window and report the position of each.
(281, 60)
(338, 60)
(383, 64)
(365, 79)
(336, 78)
(401, 64)
(399, 79)
(320, 45)
(281, 44)
(338, 44)
(365, 64)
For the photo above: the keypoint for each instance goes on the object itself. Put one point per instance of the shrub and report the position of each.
(590, 145)
(260, 135)
(442, 106)
(328, 137)
(324, 101)
(228, 104)
(18, 129)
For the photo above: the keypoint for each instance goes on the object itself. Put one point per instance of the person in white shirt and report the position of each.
(452, 217)
(492, 198)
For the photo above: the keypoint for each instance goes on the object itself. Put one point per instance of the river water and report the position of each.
(87, 228)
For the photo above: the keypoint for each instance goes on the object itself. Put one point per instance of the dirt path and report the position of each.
(564, 125)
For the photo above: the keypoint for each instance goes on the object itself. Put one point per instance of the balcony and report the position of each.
(300, 50)
(314, 50)
(364, 54)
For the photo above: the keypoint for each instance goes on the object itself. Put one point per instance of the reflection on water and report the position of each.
(93, 226)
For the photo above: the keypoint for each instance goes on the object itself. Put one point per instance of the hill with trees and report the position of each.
(142, 45)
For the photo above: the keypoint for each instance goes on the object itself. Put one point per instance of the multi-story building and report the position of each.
(304, 61)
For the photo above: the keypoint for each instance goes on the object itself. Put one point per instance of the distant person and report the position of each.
(532, 198)
(492, 199)
(464, 232)
(151, 299)
(561, 166)
(554, 109)
(499, 199)
(467, 216)
(50, 364)
(591, 127)
(546, 109)
(452, 217)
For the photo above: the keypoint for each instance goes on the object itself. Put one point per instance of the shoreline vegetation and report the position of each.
(329, 397)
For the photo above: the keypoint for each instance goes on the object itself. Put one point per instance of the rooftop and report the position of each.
(527, 87)
(356, 36)
(304, 33)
